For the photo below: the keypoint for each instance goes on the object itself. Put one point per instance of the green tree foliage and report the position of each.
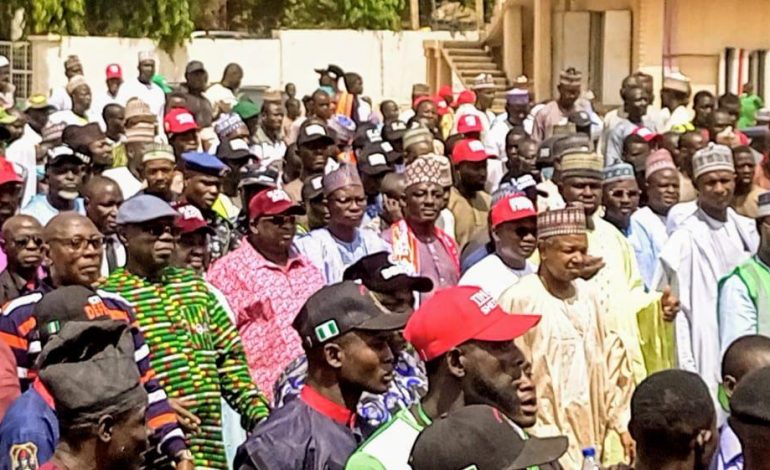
(170, 22)
(354, 14)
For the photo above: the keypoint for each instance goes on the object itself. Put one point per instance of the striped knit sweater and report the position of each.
(196, 352)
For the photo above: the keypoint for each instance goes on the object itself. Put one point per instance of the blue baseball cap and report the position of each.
(203, 162)
(143, 208)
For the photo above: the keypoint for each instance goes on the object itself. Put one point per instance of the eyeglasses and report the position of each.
(281, 220)
(23, 242)
(79, 243)
(158, 231)
(522, 232)
(347, 201)
(620, 193)
(64, 169)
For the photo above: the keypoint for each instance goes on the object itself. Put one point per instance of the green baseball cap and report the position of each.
(246, 109)
(160, 80)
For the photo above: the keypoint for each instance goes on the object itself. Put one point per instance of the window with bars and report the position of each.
(19, 54)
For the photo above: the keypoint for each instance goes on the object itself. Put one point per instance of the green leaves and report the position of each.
(170, 22)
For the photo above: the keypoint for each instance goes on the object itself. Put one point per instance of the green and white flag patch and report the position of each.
(327, 330)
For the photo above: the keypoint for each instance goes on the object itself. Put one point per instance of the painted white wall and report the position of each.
(390, 62)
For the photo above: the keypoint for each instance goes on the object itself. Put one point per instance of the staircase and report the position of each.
(468, 59)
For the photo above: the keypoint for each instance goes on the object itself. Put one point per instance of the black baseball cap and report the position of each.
(194, 66)
(312, 188)
(339, 308)
(253, 175)
(367, 133)
(749, 403)
(71, 303)
(233, 149)
(481, 437)
(374, 163)
(384, 148)
(313, 131)
(393, 131)
(580, 118)
(379, 274)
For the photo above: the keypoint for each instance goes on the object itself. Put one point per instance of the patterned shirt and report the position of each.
(265, 298)
(18, 329)
(195, 351)
(409, 383)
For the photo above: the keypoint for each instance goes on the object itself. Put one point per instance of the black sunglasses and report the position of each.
(158, 231)
(22, 242)
(281, 220)
(522, 232)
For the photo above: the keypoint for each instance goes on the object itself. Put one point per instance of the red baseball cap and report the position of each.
(469, 150)
(466, 97)
(179, 120)
(8, 173)
(512, 207)
(645, 133)
(420, 99)
(459, 314)
(114, 71)
(191, 219)
(441, 106)
(469, 123)
(273, 201)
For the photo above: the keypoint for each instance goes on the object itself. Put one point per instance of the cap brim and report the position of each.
(539, 451)
(314, 138)
(256, 182)
(375, 170)
(403, 282)
(5, 179)
(384, 322)
(508, 327)
(289, 208)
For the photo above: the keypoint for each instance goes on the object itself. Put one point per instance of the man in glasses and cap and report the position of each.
(196, 349)
(347, 338)
(342, 242)
(513, 232)
(266, 282)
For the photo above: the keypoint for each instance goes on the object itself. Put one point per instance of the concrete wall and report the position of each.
(389, 62)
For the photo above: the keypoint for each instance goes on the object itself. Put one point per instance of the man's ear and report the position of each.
(334, 355)
(105, 428)
(455, 361)
(728, 383)
(122, 235)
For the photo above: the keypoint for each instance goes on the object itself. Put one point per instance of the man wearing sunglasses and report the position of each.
(513, 232)
(196, 350)
(64, 173)
(266, 283)
(620, 195)
(23, 245)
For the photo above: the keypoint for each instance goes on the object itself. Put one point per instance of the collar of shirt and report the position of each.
(43, 392)
(261, 137)
(262, 262)
(729, 446)
(713, 223)
(335, 412)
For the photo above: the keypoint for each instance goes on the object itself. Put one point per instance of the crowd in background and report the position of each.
(195, 277)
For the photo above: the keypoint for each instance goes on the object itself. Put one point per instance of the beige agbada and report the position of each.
(581, 369)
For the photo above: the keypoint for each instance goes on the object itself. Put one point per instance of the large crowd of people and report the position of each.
(194, 279)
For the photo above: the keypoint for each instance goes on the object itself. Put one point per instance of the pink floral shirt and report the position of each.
(265, 298)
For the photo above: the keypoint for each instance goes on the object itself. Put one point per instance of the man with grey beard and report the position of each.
(64, 174)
